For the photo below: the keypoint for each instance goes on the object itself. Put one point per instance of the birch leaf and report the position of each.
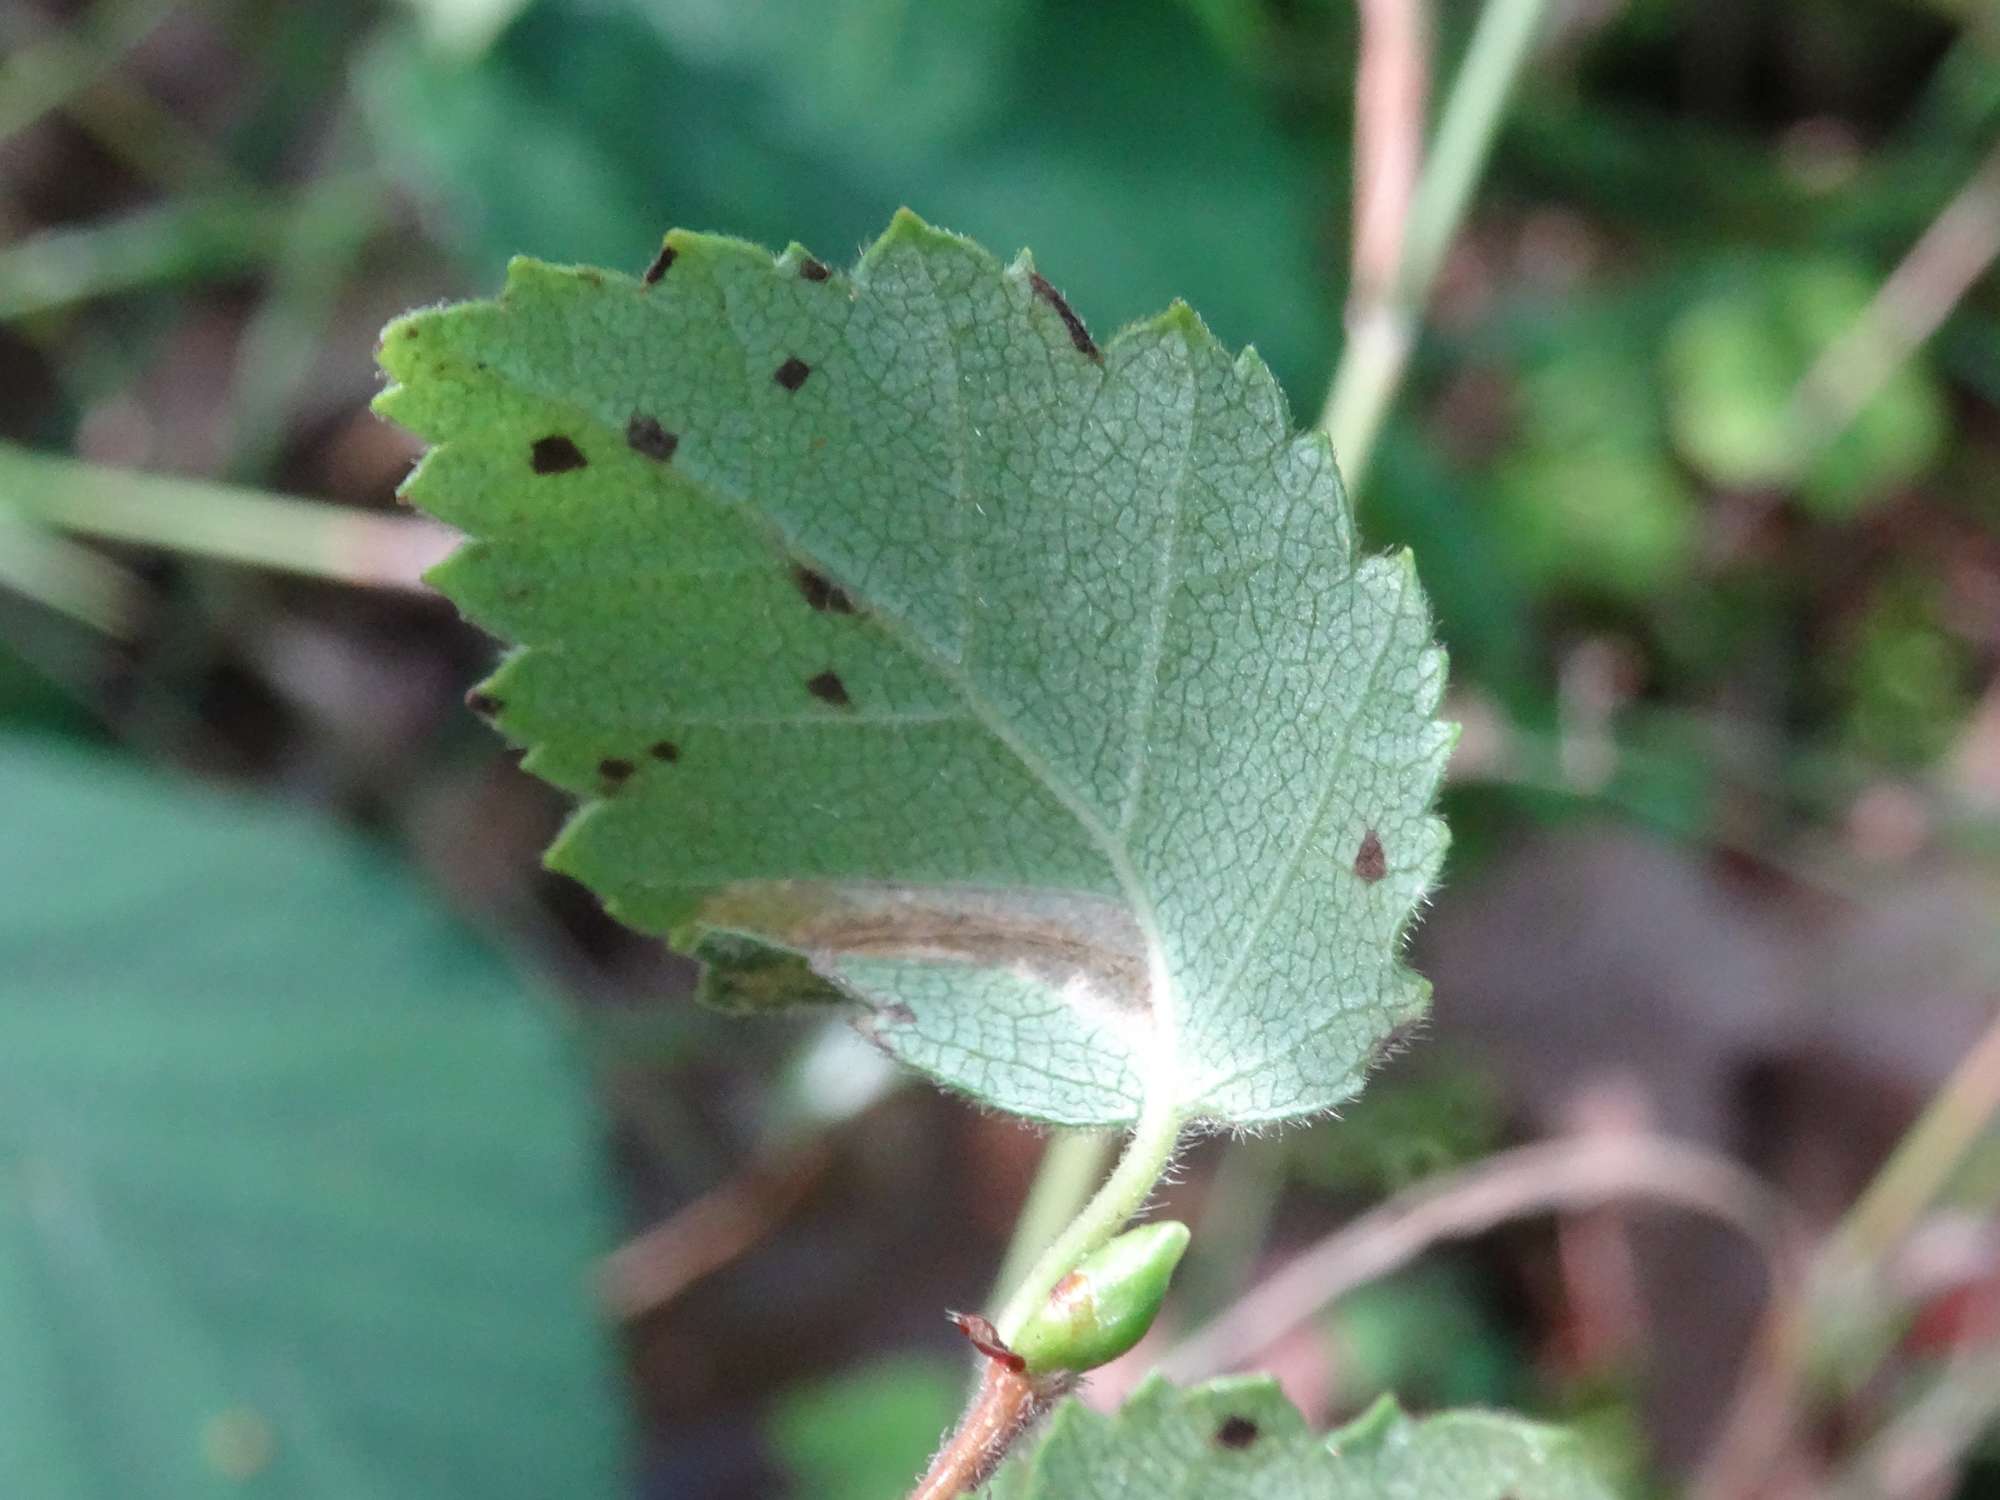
(905, 645)
(1240, 1437)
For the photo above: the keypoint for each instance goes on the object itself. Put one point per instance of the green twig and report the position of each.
(1382, 328)
(1071, 1164)
(1123, 1194)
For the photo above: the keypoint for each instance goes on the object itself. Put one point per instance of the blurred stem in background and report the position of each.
(1243, 1194)
(60, 64)
(1919, 294)
(1071, 1165)
(66, 577)
(58, 70)
(319, 243)
(1385, 309)
(226, 522)
(200, 238)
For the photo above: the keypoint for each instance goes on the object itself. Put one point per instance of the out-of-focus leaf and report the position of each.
(1110, 136)
(1426, 1332)
(1734, 363)
(298, 1190)
(1586, 498)
(465, 28)
(864, 1435)
(1906, 678)
(1478, 584)
(1413, 1123)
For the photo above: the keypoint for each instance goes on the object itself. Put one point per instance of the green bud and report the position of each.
(1106, 1304)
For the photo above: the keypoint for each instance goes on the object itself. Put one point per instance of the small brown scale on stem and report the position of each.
(1008, 1402)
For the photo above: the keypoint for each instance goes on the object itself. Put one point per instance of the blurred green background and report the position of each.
(343, 1152)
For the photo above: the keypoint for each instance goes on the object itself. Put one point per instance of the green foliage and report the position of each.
(1239, 1437)
(860, 1435)
(296, 1197)
(1110, 136)
(1033, 692)
(1734, 363)
(1587, 498)
(1906, 677)
(1416, 1122)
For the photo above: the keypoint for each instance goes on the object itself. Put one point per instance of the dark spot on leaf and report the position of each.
(792, 373)
(896, 1014)
(1369, 861)
(614, 769)
(659, 266)
(821, 592)
(590, 277)
(1236, 1432)
(1078, 334)
(828, 688)
(555, 454)
(645, 436)
(665, 750)
(483, 704)
(813, 270)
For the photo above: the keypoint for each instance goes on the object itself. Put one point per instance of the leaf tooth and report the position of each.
(1262, 394)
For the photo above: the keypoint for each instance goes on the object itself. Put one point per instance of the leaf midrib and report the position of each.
(1160, 1074)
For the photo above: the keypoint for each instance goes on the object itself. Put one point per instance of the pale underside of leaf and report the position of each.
(1239, 1437)
(1032, 694)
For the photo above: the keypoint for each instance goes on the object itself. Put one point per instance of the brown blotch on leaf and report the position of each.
(615, 770)
(813, 270)
(645, 436)
(792, 373)
(555, 454)
(1078, 334)
(1370, 863)
(665, 750)
(821, 592)
(483, 704)
(590, 277)
(828, 688)
(659, 266)
(896, 1014)
(1237, 1433)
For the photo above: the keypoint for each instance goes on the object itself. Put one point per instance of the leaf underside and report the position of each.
(908, 647)
(1240, 1437)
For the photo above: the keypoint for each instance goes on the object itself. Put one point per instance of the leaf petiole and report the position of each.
(1155, 1136)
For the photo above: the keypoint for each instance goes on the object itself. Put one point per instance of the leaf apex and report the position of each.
(909, 229)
